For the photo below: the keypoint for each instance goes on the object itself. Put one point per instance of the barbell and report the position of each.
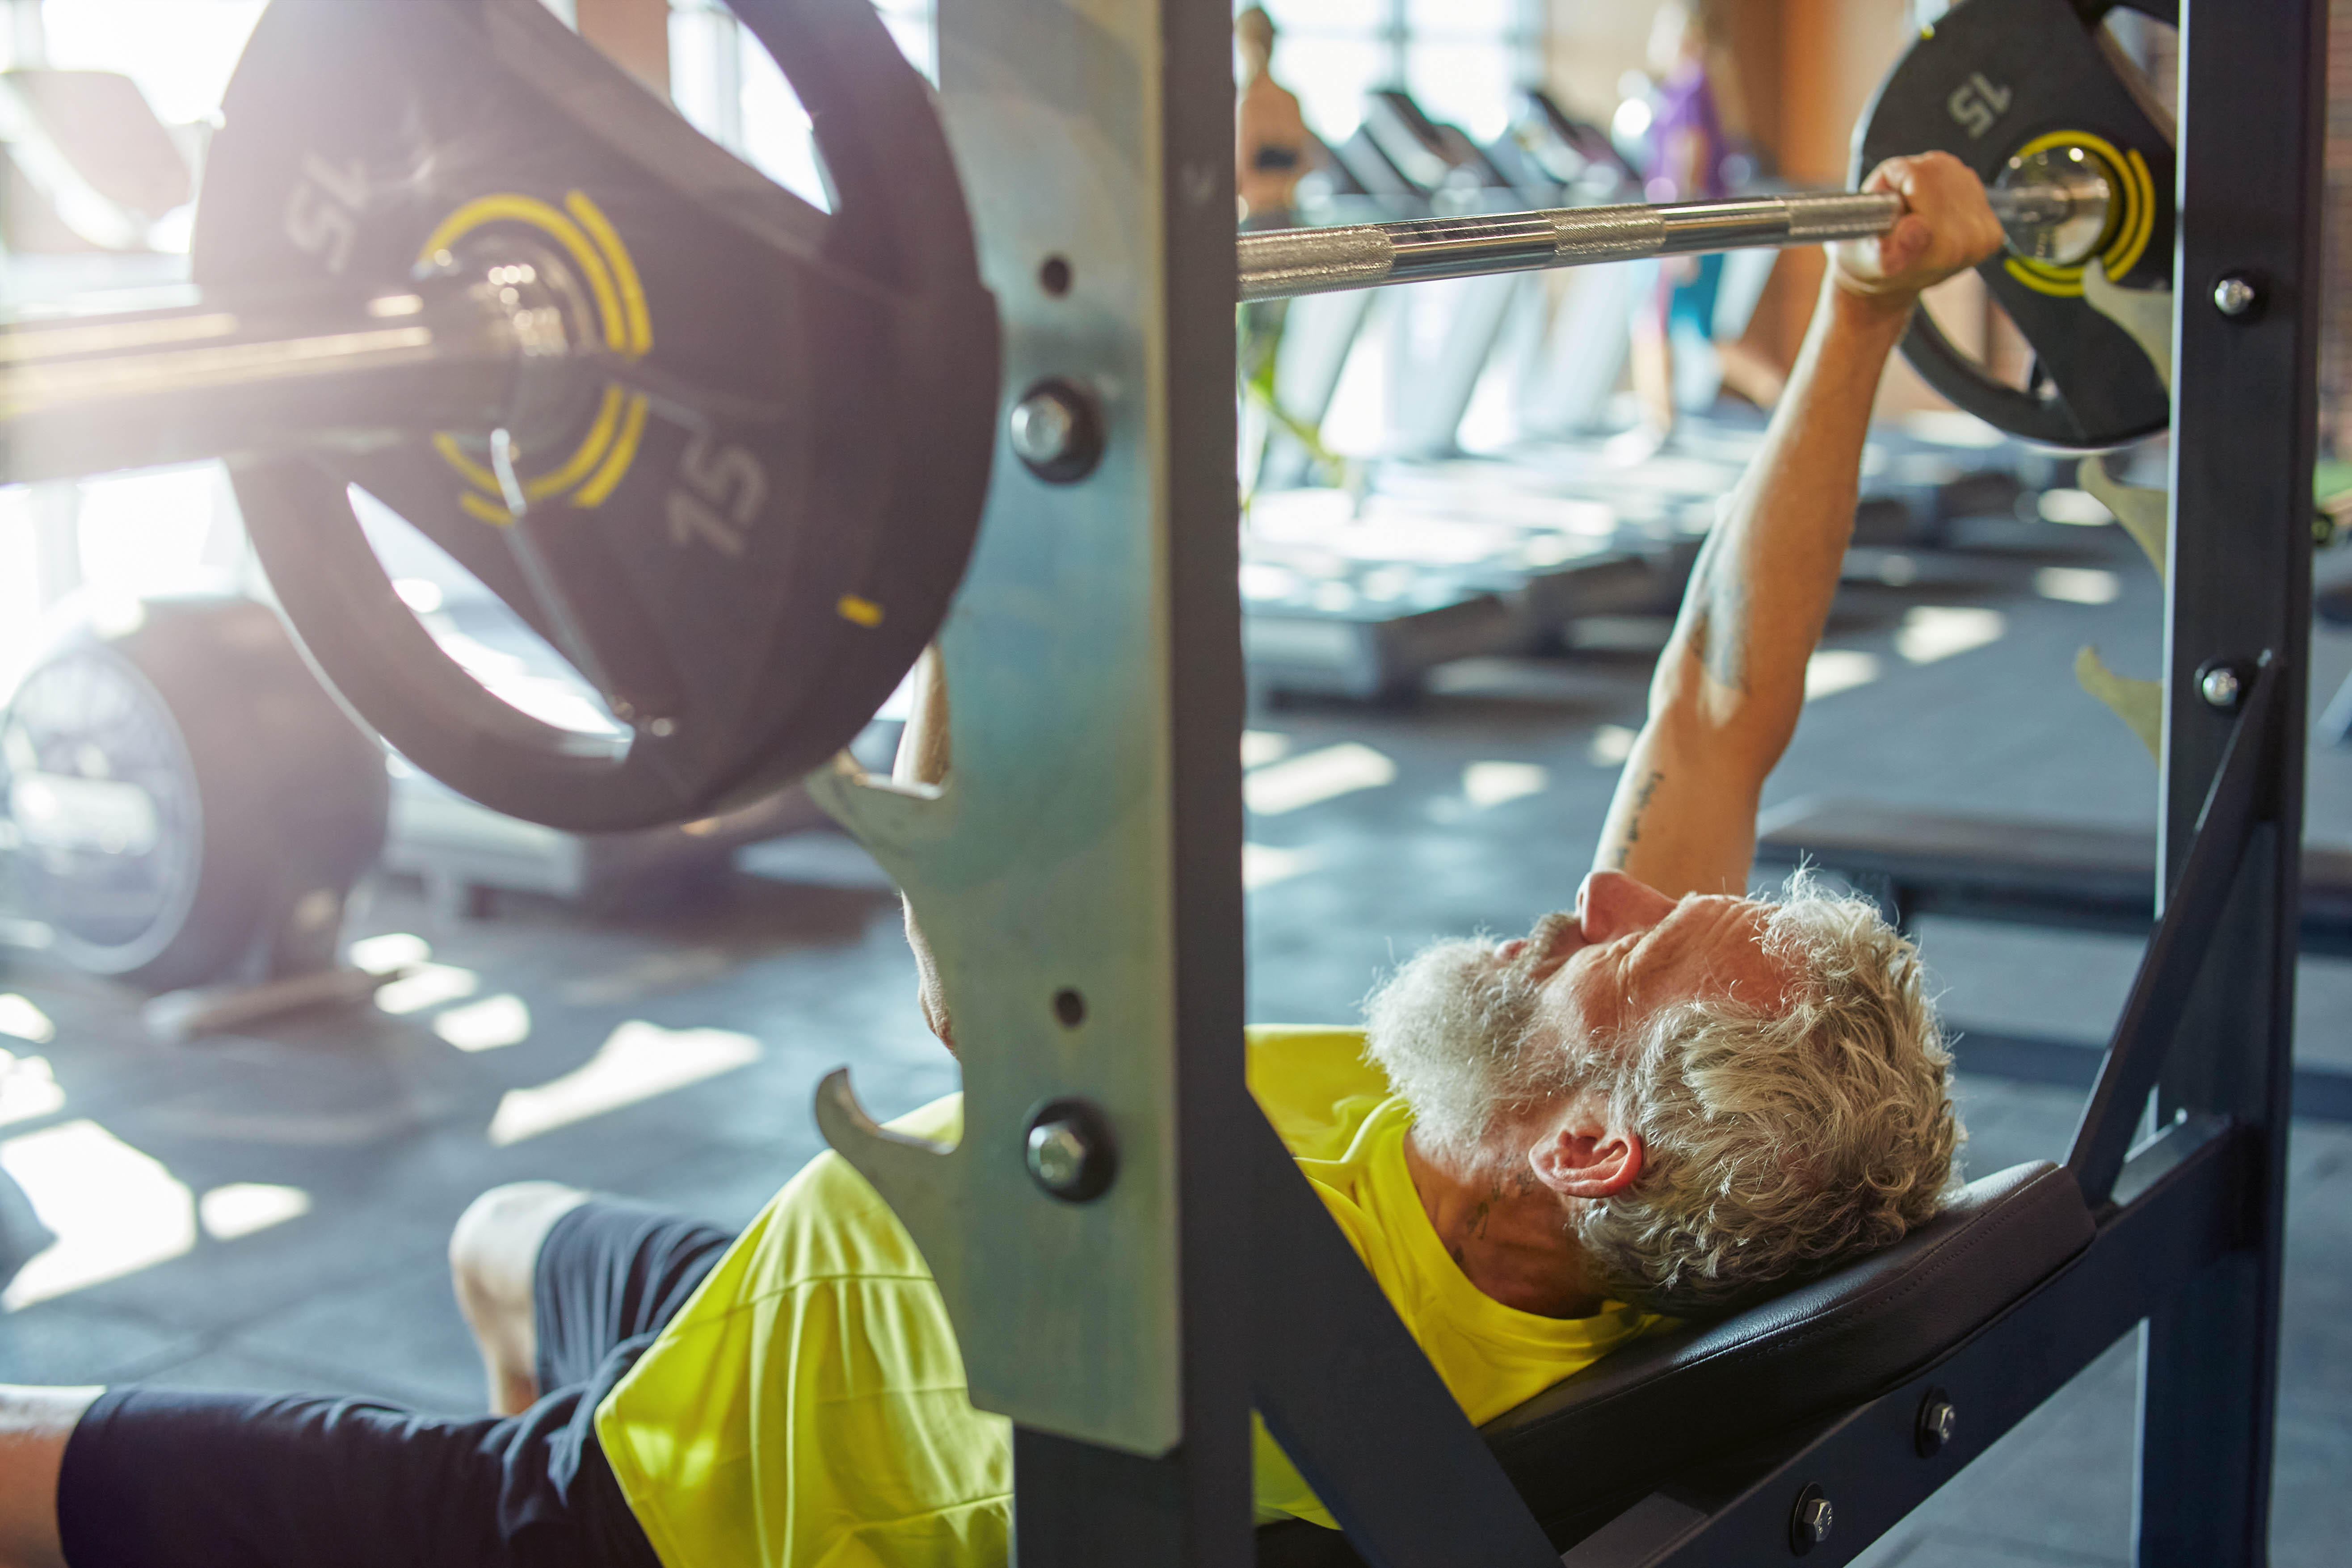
(2061, 213)
(509, 341)
(727, 451)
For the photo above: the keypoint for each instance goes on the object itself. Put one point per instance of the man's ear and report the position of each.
(1586, 1155)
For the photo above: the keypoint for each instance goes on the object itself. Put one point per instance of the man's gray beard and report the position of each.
(1455, 1034)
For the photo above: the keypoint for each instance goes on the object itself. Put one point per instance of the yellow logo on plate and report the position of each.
(596, 467)
(2129, 229)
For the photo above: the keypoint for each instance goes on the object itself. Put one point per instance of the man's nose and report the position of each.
(1611, 903)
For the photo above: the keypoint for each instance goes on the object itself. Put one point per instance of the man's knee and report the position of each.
(494, 1247)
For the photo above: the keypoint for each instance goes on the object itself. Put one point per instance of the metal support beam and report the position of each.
(2244, 422)
(1079, 874)
(1079, 1504)
(2234, 807)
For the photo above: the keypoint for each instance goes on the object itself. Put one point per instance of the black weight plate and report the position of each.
(1989, 80)
(759, 518)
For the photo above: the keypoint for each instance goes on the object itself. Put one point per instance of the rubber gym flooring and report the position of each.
(271, 1212)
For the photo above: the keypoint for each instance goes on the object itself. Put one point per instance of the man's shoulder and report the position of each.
(1314, 1083)
(1282, 1056)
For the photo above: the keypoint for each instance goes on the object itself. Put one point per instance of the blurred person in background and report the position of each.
(1688, 148)
(1272, 146)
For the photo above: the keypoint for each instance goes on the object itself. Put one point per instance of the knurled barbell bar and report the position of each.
(2061, 209)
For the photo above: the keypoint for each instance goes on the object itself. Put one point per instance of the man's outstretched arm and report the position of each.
(1731, 682)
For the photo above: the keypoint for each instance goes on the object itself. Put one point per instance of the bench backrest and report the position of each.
(1597, 1439)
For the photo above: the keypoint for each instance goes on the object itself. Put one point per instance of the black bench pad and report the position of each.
(1597, 1439)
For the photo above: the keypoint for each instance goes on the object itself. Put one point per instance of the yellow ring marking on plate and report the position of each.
(616, 464)
(864, 612)
(490, 511)
(540, 216)
(2144, 228)
(2026, 273)
(2130, 183)
(474, 473)
(624, 270)
(627, 325)
(592, 449)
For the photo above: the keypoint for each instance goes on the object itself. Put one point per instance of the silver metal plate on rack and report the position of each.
(1043, 866)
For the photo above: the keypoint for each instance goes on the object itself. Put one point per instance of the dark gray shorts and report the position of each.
(201, 1480)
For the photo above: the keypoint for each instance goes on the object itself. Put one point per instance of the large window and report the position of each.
(1459, 59)
(724, 82)
(180, 52)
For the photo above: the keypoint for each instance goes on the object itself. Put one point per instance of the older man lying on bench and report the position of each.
(1668, 1100)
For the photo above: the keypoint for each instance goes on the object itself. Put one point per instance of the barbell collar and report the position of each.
(499, 342)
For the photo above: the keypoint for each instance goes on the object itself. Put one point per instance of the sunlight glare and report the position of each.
(114, 1210)
(1262, 864)
(28, 1088)
(1933, 632)
(19, 1016)
(486, 1025)
(2078, 584)
(394, 950)
(429, 986)
(1491, 783)
(1835, 669)
(1613, 743)
(1260, 747)
(638, 1061)
(1315, 777)
(241, 1208)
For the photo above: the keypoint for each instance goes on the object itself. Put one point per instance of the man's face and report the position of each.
(1627, 950)
(1465, 1029)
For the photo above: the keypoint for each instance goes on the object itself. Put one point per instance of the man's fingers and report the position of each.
(1945, 227)
(1891, 176)
(1905, 244)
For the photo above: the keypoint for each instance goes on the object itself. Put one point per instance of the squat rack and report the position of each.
(1130, 1259)
(1128, 1338)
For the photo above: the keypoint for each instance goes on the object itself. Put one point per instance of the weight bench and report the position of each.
(1817, 1419)
(1917, 861)
(1875, 1334)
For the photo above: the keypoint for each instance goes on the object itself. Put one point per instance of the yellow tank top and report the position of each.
(806, 1409)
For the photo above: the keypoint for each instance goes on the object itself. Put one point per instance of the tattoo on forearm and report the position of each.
(1623, 848)
(1723, 629)
(1718, 602)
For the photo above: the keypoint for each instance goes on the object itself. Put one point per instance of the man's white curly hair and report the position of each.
(1776, 1142)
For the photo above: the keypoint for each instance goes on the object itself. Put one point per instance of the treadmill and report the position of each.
(1357, 593)
(1915, 482)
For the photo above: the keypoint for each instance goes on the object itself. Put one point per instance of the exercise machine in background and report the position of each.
(1361, 575)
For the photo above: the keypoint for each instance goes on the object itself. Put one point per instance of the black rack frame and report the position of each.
(2188, 1242)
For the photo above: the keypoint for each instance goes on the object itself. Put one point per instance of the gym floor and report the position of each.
(292, 1192)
